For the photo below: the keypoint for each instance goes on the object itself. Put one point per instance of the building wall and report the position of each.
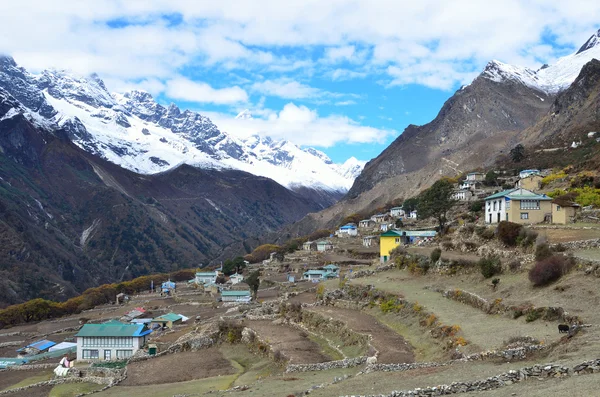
(532, 182)
(562, 216)
(137, 343)
(534, 216)
(495, 214)
(387, 244)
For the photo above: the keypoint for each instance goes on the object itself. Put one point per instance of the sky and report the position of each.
(345, 77)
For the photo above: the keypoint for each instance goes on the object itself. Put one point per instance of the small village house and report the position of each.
(526, 173)
(324, 245)
(412, 214)
(63, 346)
(317, 275)
(331, 268)
(393, 238)
(167, 288)
(37, 347)
(518, 206)
(397, 212)
(368, 241)
(366, 223)
(463, 195)
(384, 227)
(380, 218)
(530, 182)
(348, 230)
(110, 341)
(236, 278)
(564, 211)
(469, 185)
(207, 277)
(475, 176)
(309, 246)
(167, 320)
(236, 296)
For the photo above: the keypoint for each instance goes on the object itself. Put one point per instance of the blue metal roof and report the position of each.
(40, 345)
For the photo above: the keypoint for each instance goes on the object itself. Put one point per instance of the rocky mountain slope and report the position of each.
(71, 220)
(503, 106)
(137, 133)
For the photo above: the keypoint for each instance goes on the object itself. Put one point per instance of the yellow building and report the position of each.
(563, 211)
(530, 182)
(519, 206)
(393, 238)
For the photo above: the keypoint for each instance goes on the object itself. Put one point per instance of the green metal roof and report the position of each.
(392, 233)
(112, 329)
(206, 274)
(168, 317)
(235, 293)
(519, 194)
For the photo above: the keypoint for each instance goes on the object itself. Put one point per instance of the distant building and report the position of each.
(517, 205)
(324, 245)
(331, 268)
(384, 227)
(475, 176)
(317, 275)
(168, 287)
(348, 230)
(110, 341)
(206, 277)
(236, 278)
(236, 296)
(530, 182)
(397, 212)
(412, 214)
(468, 185)
(564, 211)
(463, 195)
(37, 347)
(366, 223)
(166, 320)
(309, 246)
(393, 238)
(380, 218)
(368, 241)
(526, 173)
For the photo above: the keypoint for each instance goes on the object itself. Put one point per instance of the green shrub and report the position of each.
(490, 266)
(526, 237)
(435, 256)
(477, 206)
(533, 315)
(508, 232)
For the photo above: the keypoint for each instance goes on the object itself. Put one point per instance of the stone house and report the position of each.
(564, 211)
(368, 241)
(518, 206)
(366, 223)
(324, 245)
(526, 173)
(309, 246)
(530, 182)
(397, 212)
(110, 341)
(380, 218)
(348, 230)
(206, 277)
(463, 195)
(475, 176)
(236, 296)
(167, 320)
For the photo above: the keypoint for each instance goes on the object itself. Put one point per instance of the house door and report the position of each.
(498, 217)
(106, 355)
(490, 218)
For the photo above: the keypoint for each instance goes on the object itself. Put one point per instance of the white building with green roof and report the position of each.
(518, 206)
(110, 341)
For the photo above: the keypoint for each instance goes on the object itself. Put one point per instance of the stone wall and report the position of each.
(580, 244)
(345, 363)
(538, 372)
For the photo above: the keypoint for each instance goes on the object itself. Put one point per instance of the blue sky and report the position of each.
(344, 76)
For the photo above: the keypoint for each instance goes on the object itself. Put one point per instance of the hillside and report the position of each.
(70, 220)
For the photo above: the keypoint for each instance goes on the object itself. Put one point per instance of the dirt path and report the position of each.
(290, 341)
(484, 331)
(178, 367)
(391, 346)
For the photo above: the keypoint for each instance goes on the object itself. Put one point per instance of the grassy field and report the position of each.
(31, 380)
(73, 389)
(592, 254)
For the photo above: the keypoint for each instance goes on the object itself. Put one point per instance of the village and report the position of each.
(368, 308)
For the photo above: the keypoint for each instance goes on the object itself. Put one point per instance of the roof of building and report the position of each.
(475, 173)
(348, 226)
(367, 220)
(168, 317)
(519, 194)
(7, 362)
(206, 274)
(39, 345)
(396, 208)
(564, 202)
(323, 242)
(113, 328)
(168, 284)
(409, 233)
(315, 271)
(331, 266)
(369, 237)
(63, 345)
(236, 293)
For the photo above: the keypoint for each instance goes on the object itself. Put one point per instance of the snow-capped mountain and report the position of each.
(134, 131)
(549, 79)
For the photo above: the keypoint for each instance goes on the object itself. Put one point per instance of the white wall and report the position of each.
(494, 212)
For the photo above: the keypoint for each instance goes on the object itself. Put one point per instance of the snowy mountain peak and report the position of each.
(134, 131)
(244, 115)
(592, 42)
(352, 167)
(549, 79)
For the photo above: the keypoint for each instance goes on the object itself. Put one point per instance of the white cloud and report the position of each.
(335, 54)
(188, 90)
(303, 126)
(346, 74)
(345, 103)
(286, 89)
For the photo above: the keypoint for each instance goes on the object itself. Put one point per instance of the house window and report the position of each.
(90, 355)
(530, 204)
(495, 203)
(397, 240)
(500, 205)
(123, 354)
(524, 215)
(558, 207)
